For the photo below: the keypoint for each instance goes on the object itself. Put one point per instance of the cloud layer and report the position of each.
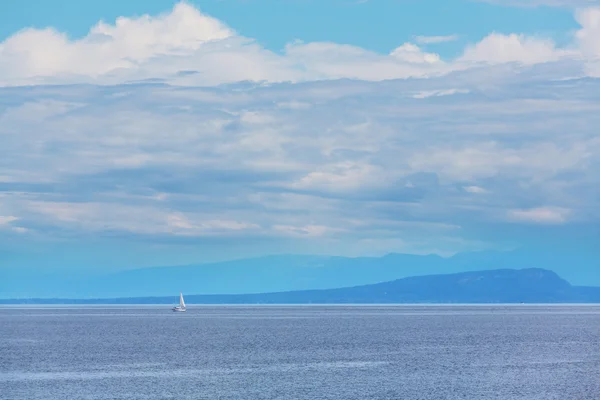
(504, 135)
(338, 160)
(186, 47)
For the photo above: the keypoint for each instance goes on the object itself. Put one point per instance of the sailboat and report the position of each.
(181, 306)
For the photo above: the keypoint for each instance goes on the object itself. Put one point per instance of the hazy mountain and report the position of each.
(282, 273)
(497, 286)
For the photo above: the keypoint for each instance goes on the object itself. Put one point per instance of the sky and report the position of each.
(154, 132)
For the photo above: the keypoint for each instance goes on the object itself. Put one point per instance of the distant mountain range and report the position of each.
(283, 273)
(532, 285)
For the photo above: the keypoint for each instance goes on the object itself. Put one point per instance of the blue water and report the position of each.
(313, 352)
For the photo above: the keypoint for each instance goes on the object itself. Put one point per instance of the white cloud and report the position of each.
(187, 47)
(588, 39)
(107, 48)
(585, 48)
(498, 49)
(319, 61)
(541, 215)
(589, 34)
(413, 54)
(435, 39)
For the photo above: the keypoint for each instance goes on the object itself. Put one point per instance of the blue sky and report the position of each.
(173, 133)
(377, 25)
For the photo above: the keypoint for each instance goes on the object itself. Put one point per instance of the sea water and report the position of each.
(311, 352)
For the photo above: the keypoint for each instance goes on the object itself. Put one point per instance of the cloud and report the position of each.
(319, 142)
(541, 215)
(498, 49)
(108, 48)
(148, 220)
(435, 39)
(357, 162)
(186, 47)
(588, 39)
(348, 175)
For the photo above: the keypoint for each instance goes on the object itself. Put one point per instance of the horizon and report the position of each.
(489, 273)
(281, 273)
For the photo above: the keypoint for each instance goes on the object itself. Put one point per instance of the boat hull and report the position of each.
(178, 309)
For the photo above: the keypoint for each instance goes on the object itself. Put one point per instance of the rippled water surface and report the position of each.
(313, 352)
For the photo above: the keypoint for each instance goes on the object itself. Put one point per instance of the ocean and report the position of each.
(301, 352)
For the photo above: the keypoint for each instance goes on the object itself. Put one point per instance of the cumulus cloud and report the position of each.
(108, 48)
(187, 47)
(588, 39)
(498, 49)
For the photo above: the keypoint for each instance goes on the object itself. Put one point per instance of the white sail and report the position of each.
(181, 306)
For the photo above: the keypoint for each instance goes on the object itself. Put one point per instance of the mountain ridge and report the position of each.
(278, 273)
(532, 285)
